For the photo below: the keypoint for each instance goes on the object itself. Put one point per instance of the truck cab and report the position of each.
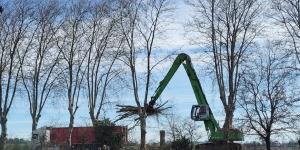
(40, 137)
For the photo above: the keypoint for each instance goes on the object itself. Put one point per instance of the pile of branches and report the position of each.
(128, 111)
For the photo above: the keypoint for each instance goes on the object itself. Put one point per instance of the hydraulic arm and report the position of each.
(202, 111)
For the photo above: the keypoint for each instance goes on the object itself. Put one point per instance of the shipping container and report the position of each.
(82, 137)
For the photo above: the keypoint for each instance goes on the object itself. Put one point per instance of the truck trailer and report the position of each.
(92, 138)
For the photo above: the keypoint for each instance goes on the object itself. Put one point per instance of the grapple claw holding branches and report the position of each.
(128, 111)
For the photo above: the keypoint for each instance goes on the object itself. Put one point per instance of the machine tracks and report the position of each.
(219, 146)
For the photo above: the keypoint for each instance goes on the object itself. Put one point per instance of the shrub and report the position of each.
(182, 143)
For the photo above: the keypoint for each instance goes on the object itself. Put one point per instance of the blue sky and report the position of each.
(179, 92)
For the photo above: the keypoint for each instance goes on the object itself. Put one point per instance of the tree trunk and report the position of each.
(3, 137)
(33, 127)
(71, 125)
(268, 142)
(228, 123)
(143, 132)
(93, 118)
(34, 124)
(228, 120)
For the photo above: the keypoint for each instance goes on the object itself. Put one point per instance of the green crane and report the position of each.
(202, 111)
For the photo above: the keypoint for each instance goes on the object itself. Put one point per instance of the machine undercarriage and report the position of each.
(219, 146)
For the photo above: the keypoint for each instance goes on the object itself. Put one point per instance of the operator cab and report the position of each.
(200, 112)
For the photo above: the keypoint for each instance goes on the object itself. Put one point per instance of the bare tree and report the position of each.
(269, 94)
(288, 15)
(38, 71)
(14, 25)
(70, 44)
(174, 129)
(228, 28)
(103, 51)
(180, 128)
(140, 23)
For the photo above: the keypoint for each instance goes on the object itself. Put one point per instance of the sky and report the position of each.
(179, 92)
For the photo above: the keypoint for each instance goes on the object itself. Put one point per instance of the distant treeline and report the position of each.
(273, 144)
(18, 144)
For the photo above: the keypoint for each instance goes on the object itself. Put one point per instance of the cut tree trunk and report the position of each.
(3, 138)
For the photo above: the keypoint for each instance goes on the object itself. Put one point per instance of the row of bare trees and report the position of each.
(86, 50)
(44, 51)
(76, 49)
(258, 76)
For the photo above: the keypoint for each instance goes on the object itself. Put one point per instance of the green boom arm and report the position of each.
(210, 124)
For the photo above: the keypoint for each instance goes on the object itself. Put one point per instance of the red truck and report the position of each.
(82, 137)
